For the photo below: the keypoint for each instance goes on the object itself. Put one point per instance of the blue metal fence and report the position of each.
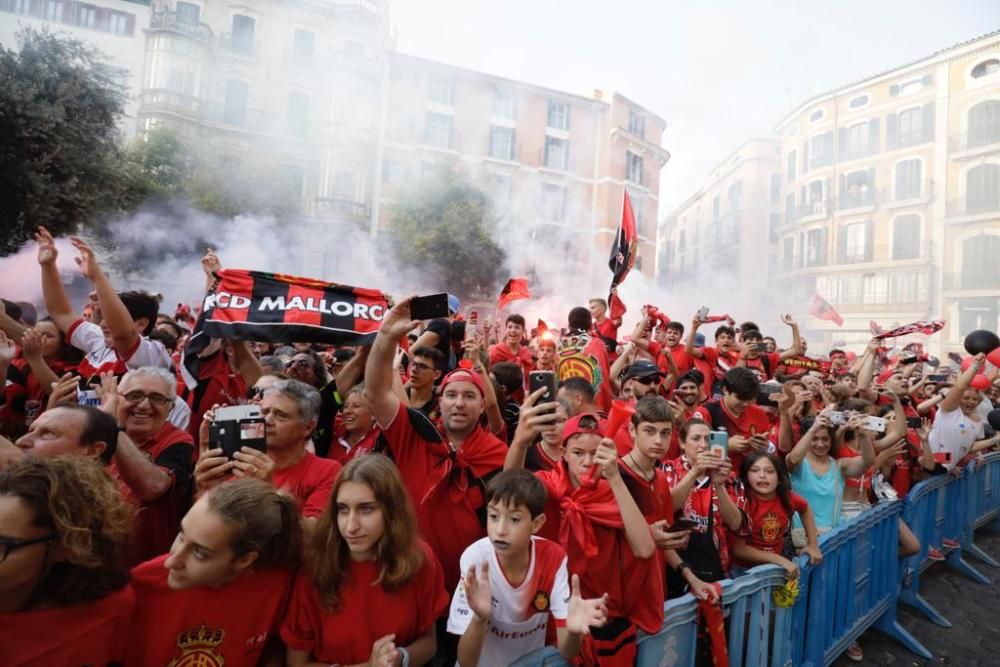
(854, 589)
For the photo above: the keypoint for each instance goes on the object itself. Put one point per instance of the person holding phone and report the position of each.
(746, 422)
(225, 582)
(372, 591)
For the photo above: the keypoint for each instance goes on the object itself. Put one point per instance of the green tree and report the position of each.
(443, 229)
(60, 151)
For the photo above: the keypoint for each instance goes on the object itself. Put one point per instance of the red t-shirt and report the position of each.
(157, 522)
(500, 353)
(365, 612)
(768, 523)
(720, 362)
(447, 487)
(768, 369)
(342, 451)
(699, 412)
(227, 625)
(681, 358)
(309, 481)
(217, 385)
(23, 386)
(752, 421)
(607, 328)
(94, 633)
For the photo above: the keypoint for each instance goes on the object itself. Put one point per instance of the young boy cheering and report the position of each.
(515, 581)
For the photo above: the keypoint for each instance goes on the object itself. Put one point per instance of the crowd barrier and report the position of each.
(854, 589)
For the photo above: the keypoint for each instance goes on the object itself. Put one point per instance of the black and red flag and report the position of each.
(279, 308)
(821, 309)
(927, 327)
(623, 254)
(516, 288)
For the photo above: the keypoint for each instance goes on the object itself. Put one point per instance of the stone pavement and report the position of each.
(973, 609)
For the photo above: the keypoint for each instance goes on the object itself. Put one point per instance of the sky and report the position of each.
(719, 71)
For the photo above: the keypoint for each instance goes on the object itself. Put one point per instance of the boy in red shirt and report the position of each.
(606, 537)
(754, 355)
(720, 358)
(748, 424)
(510, 348)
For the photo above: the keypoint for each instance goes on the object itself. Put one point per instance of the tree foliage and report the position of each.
(443, 229)
(60, 149)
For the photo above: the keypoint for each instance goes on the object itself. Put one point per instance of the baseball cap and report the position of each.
(699, 340)
(583, 423)
(454, 305)
(464, 375)
(642, 369)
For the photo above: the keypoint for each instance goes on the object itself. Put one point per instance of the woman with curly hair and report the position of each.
(374, 591)
(64, 593)
(225, 584)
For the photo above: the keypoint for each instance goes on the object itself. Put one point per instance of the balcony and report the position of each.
(240, 45)
(338, 207)
(920, 251)
(169, 101)
(983, 139)
(863, 198)
(923, 194)
(970, 210)
(963, 281)
(812, 211)
(168, 20)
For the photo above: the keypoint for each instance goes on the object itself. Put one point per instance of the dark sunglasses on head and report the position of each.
(647, 380)
(298, 363)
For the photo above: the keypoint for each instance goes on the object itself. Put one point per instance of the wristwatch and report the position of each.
(683, 564)
(406, 656)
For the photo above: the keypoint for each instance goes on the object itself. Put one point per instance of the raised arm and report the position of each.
(898, 429)
(352, 372)
(31, 348)
(689, 346)
(10, 326)
(210, 264)
(953, 400)
(732, 516)
(801, 448)
(640, 540)
(532, 419)
(378, 368)
(796, 348)
(857, 466)
(53, 292)
(116, 316)
(245, 362)
(867, 370)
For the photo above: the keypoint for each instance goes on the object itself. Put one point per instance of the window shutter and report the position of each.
(869, 240)
(102, 19)
(130, 24)
(842, 244)
(841, 186)
(891, 130)
(842, 143)
(821, 255)
(873, 136)
(802, 249)
(928, 121)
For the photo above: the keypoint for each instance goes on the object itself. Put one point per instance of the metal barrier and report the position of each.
(854, 589)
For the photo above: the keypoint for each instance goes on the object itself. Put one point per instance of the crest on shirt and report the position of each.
(541, 601)
(197, 646)
(770, 527)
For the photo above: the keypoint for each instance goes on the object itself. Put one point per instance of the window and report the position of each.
(295, 180)
(904, 287)
(716, 208)
(980, 270)
(978, 313)
(788, 254)
(558, 116)
(442, 90)
(857, 188)
(502, 142)
(188, 13)
(235, 110)
(855, 243)
(816, 116)
(985, 68)
(982, 189)
(908, 175)
(774, 221)
(735, 196)
(344, 184)
(814, 252)
(910, 127)
(636, 123)
(438, 132)
(503, 103)
(790, 208)
(874, 288)
(20, 6)
(633, 167)
(984, 123)
(243, 30)
(54, 10)
(117, 23)
(394, 172)
(906, 237)
(857, 139)
(556, 153)
(500, 187)
(638, 212)
(553, 202)
(790, 167)
(821, 150)
(298, 113)
(858, 102)
(303, 46)
(86, 16)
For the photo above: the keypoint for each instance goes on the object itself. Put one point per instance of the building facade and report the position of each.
(115, 27)
(555, 164)
(725, 232)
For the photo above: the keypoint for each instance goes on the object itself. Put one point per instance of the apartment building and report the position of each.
(891, 197)
(556, 164)
(726, 231)
(115, 27)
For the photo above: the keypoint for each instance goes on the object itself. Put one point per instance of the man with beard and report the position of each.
(686, 403)
(643, 377)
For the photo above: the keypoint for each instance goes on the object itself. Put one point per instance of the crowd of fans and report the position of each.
(421, 500)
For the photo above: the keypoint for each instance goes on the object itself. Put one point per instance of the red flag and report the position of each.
(516, 288)
(927, 327)
(622, 258)
(822, 309)
(542, 326)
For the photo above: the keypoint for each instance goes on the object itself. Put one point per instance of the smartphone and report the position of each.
(702, 313)
(718, 443)
(940, 377)
(837, 418)
(471, 322)
(914, 422)
(543, 380)
(237, 426)
(680, 525)
(768, 389)
(429, 307)
(876, 424)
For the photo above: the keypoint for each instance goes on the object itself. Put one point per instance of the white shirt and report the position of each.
(953, 435)
(99, 358)
(520, 615)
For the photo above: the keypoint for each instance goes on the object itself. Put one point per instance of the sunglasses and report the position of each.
(647, 380)
(298, 363)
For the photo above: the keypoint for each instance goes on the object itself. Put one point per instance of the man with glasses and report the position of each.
(426, 367)
(153, 459)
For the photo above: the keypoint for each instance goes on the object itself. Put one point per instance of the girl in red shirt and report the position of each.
(770, 506)
(224, 586)
(64, 593)
(373, 591)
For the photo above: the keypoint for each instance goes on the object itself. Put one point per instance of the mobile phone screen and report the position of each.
(429, 307)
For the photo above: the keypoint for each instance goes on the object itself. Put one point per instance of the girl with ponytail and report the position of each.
(223, 589)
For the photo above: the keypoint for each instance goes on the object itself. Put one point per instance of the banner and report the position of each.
(821, 309)
(516, 288)
(927, 327)
(278, 308)
(808, 364)
(623, 254)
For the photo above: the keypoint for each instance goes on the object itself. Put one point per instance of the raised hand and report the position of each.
(31, 344)
(8, 349)
(108, 393)
(535, 418)
(606, 459)
(47, 251)
(582, 615)
(87, 260)
(398, 321)
(210, 263)
(788, 319)
(477, 591)
(250, 462)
